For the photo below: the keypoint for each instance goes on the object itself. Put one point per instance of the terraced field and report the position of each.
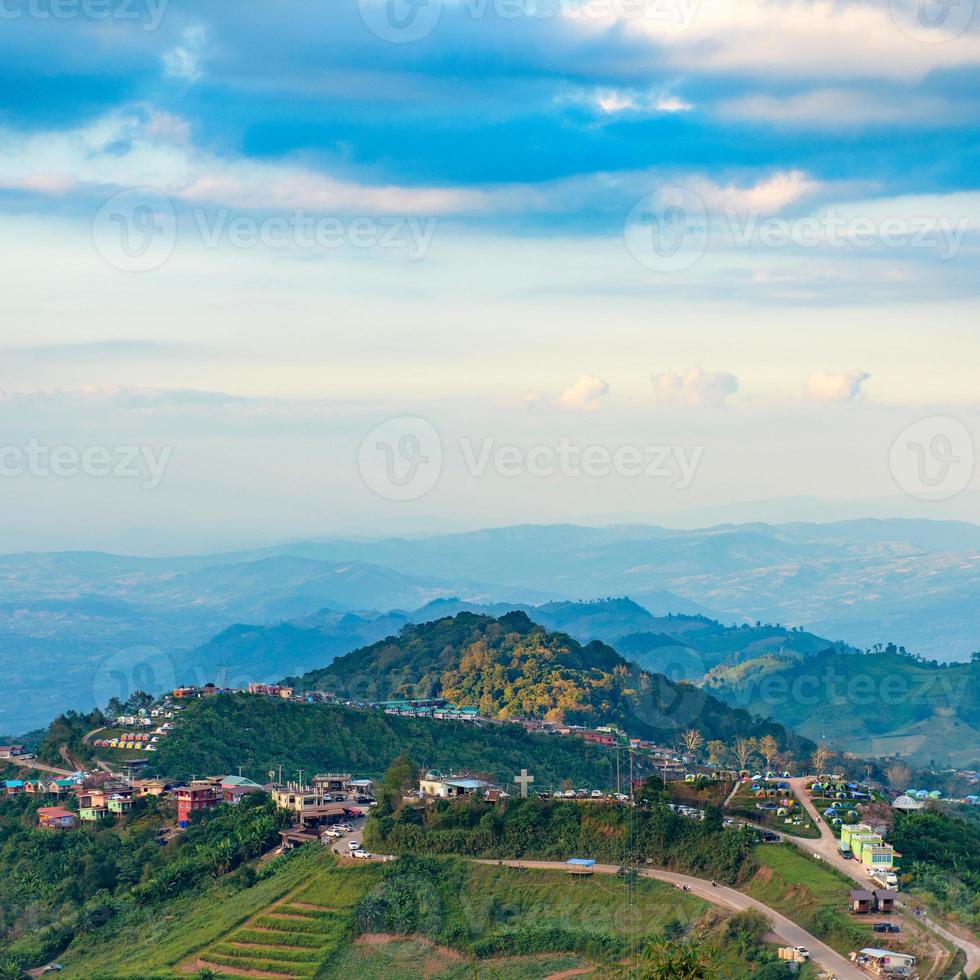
(294, 937)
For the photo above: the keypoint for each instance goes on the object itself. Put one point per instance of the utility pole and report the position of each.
(617, 768)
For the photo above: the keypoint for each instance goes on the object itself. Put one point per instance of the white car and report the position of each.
(364, 855)
(353, 845)
(332, 832)
(596, 794)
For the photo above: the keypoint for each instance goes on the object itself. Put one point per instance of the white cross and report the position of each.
(525, 780)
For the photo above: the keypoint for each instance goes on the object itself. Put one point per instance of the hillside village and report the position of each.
(843, 821)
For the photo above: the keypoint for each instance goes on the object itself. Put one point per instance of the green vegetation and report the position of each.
(881, 703)
(297, 936)
(221, 733)
(511, 667)
(941, 861)
(58, 886)
(809, 893)
(555, 830)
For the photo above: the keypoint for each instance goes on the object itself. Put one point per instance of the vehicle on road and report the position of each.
(886, 927)
(353, 845)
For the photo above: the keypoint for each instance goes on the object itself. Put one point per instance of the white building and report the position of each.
(448, 787)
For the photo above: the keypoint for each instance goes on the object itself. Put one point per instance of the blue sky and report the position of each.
(502, 194)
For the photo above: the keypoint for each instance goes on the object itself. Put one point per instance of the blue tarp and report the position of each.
(581, 862)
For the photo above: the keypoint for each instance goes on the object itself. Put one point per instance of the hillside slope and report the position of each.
(512, 667)
(873, 704)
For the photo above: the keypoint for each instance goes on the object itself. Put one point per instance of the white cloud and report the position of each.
(184, 60)
(835, 386)
(586, 395)
(695, 387)
(834, 108)
(769, 196)
(818, 39)
(614, 102)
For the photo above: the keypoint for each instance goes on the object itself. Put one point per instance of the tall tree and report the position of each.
(820, 758)
(693, 740)
(768, 747)
(743, 750)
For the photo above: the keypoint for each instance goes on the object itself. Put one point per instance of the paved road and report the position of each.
(42, 767)
(786, 931)
(827, 848)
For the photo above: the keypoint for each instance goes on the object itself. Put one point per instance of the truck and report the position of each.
(883, 879)
(795, 954)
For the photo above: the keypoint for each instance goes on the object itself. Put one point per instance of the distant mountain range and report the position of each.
(78, 627)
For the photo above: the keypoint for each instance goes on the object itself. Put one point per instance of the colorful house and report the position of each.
(55, 818)
(868, 847)
(197, 795)
(93, 814)
(13, 786)
(118, 803)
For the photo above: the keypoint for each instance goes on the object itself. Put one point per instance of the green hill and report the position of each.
(875, 704)
(511, 667)
(220, 734)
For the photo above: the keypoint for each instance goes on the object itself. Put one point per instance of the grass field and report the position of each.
(152, 944)
(813, 895)
(297, 936)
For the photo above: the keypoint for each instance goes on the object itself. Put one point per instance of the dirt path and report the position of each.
(787, 931)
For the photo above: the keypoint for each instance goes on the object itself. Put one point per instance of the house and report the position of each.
(360, 786)
(861, 901)
(11, 751)
(93, 814)
(58, 787)
(55, 818)
(233, 788)
(886, 963)
(885, 899)
(868, 847)
(12, 787)
(199, 794)
(443, 787)
(152, 787)
(119, 803)
(331, 782)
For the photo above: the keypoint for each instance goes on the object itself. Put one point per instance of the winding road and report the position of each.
(785, 931)
(827, 849)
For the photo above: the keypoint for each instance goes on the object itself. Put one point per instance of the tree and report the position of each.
(898, 776)
(717, 752)
(401, 777)
(820, 758)
(676, 961)
(768, 747)
(693, 740)
(743, 750)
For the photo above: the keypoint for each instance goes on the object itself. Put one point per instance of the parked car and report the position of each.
(353, 845)
(360, 853)
(886, 927)
(596, 794)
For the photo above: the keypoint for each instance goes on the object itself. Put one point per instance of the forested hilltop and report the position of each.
(510, 667)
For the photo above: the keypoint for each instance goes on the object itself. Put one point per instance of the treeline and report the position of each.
(941, 855)
(56, 885)
(219, 734)
(552, 830)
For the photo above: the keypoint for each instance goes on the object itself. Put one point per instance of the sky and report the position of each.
(395, 266)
